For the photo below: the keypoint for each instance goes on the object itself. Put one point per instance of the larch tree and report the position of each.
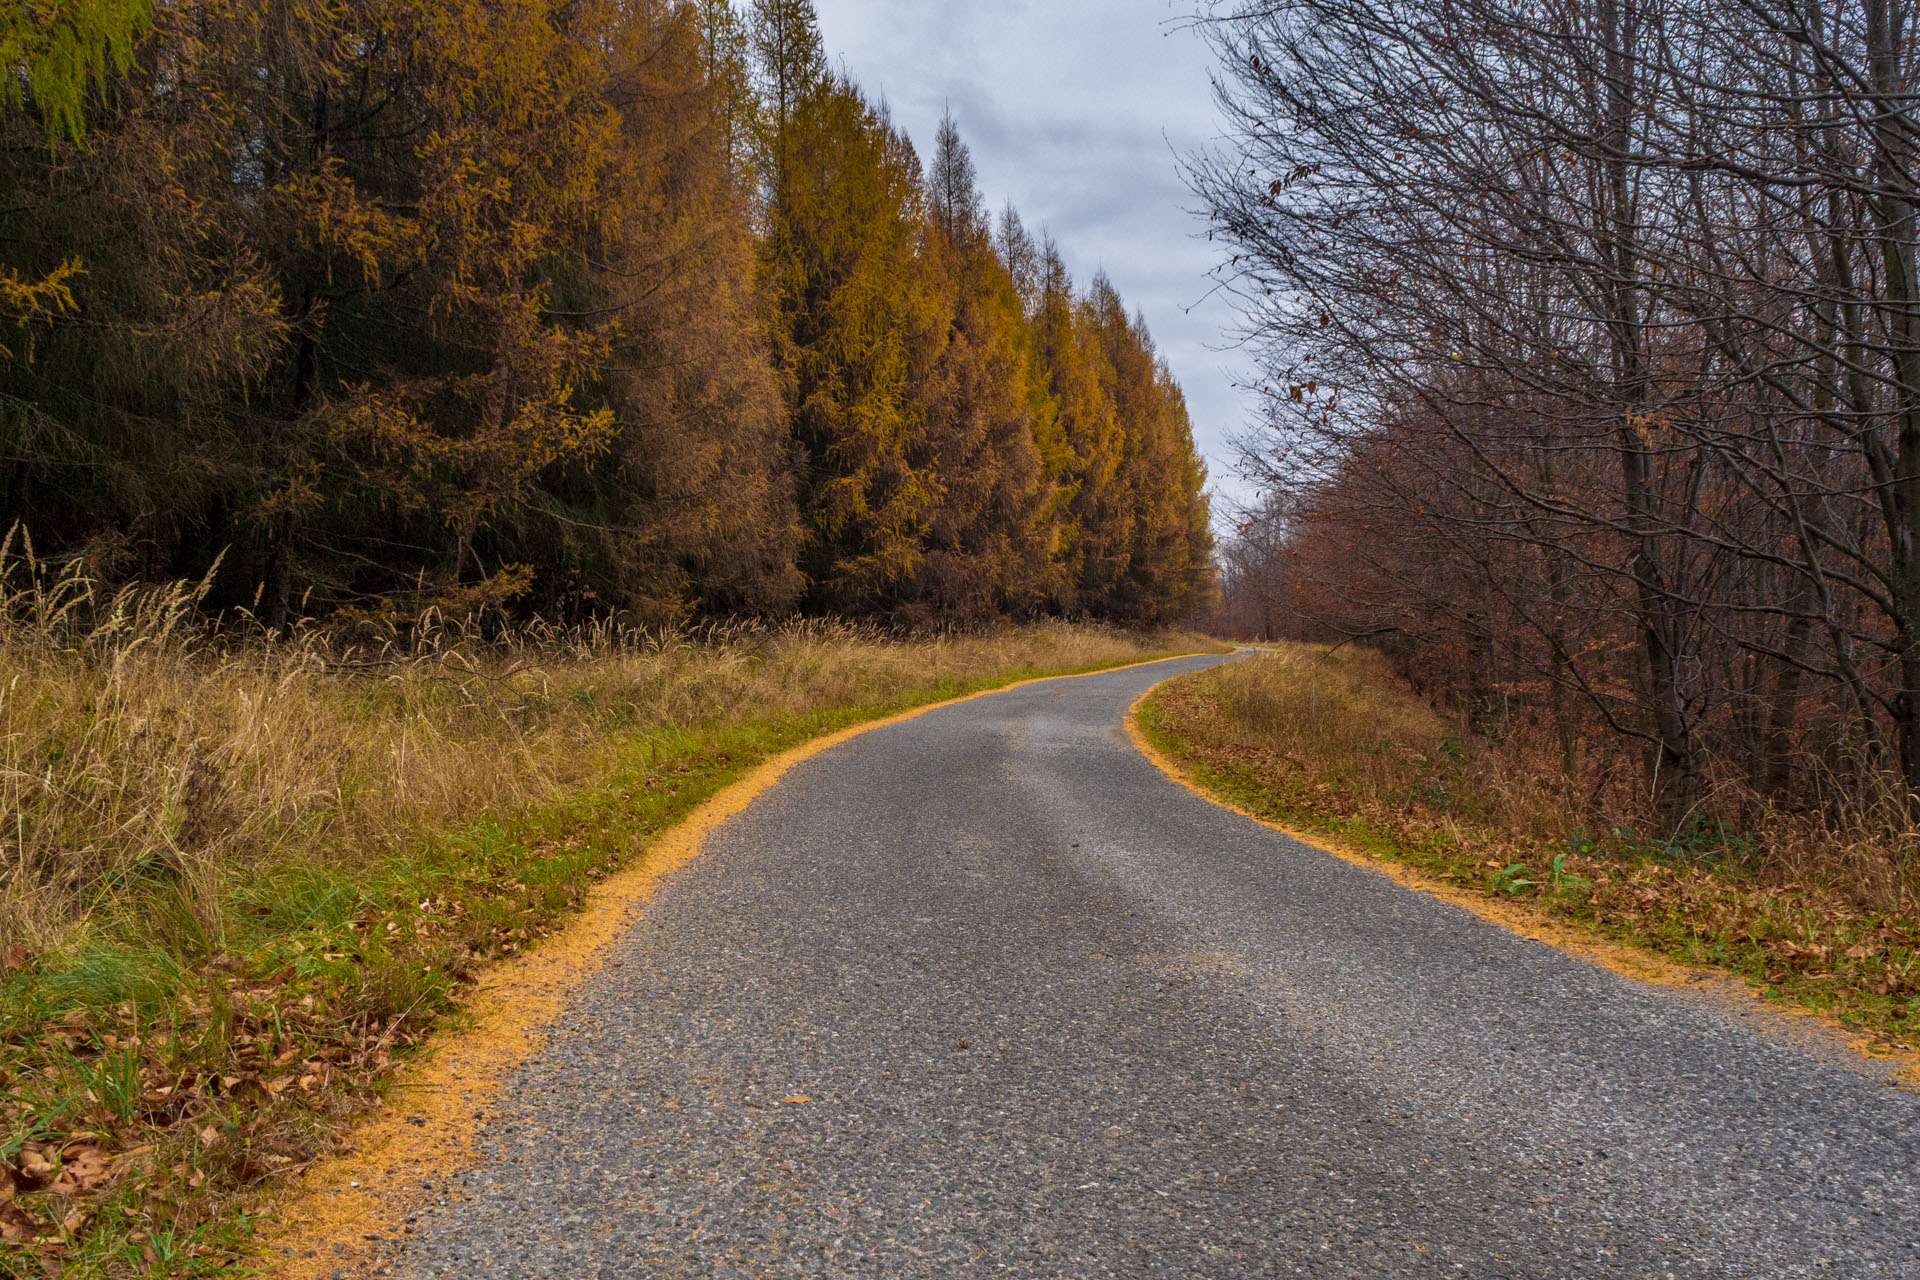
(1158, 479)
(51, 53)
(954, 185)
(990, 542)
(114, 411)
(1097, 525)
(792, 69)
(856, 320)
(693, 506)
(516, 133)
(565, 307)
(727, 61)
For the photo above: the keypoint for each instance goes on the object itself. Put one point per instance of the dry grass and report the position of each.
(1821, 911)
(129, 743)
(1345, 718)
(242, 874)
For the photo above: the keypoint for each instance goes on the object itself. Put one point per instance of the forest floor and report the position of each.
(1330, 744)
(244, 881)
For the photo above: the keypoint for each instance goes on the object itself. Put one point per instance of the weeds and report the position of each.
(1515, 877)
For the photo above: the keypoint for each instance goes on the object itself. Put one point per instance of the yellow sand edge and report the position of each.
(1616, 957)
(426, 1128)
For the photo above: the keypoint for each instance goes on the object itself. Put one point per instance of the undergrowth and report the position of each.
(1819, 914)
(245, 874)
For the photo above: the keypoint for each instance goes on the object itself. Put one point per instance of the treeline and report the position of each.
(1593, 337)
(569, 307)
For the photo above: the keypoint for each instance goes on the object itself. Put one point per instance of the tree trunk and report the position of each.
(1895, 210)
(1676, 781)
(493, 420)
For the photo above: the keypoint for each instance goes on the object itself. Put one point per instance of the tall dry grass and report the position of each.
(1342, 717)
(133, 739)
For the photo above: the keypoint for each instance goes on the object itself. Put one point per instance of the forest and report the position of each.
(1590, 344)
(564, 309)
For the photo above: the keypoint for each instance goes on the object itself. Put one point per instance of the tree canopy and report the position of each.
(565, 307)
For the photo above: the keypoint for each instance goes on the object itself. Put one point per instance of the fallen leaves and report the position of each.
(185, 1108)
(18, 1227)
(82, 1168)
(57, 1180)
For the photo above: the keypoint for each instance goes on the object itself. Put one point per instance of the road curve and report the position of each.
(982, 993)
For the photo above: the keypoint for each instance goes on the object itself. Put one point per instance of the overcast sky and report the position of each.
(1076, 110)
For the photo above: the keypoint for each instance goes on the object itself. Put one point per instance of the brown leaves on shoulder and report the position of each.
(65, 1176)
(83, 1167)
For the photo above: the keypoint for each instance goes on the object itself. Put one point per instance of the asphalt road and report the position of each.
(983, 994)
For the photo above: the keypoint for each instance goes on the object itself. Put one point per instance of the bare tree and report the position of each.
(1610, 310)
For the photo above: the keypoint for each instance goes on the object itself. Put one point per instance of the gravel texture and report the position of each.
(983, 993)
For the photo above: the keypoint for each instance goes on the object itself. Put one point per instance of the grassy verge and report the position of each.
(243, 883)
(1333, 744)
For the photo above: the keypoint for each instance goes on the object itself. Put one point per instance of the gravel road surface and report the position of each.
(982, 993)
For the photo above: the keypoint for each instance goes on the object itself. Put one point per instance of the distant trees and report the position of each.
(566, 306)
(1593, 354)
